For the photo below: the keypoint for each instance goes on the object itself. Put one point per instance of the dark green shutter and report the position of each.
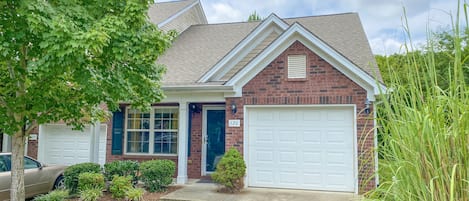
(117, 132)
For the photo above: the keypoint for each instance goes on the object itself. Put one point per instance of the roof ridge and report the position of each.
(177, 1)
(290, 18)
(323, 15)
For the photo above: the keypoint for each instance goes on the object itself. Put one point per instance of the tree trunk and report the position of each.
(17, 192)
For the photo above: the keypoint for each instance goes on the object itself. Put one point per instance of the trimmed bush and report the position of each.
(90, 180)
(157, 174)
(119, 186)
(230, 171)
(91, 194)
(72, 172)
(121, 168)
(56, 195)
(134, 194)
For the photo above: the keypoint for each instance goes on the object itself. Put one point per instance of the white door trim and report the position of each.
(205, 108)
(246, 134)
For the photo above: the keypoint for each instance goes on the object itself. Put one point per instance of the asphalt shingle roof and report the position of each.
(161, 11)
(200, 47)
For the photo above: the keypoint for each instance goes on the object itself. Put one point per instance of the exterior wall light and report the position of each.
(367, 106)
(233, 108)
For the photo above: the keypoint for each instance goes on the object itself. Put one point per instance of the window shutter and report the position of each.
(297, 66)
(117, 131)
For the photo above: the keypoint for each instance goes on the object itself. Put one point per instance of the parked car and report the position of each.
(39, 178)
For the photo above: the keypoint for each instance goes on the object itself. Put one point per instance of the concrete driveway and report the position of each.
(208, 192)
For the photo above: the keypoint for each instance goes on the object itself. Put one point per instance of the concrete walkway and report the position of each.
(194, 191)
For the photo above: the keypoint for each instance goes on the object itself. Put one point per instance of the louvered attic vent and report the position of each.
(296, 66)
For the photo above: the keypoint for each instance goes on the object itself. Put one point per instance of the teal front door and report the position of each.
(214, 138)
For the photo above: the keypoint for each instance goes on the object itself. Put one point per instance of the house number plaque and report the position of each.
(234, 123)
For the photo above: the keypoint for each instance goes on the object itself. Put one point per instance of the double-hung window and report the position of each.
(153, 132)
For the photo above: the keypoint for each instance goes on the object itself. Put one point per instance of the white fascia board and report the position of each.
(298, 32)
(201, 11)
(166, 21)
(272, 19)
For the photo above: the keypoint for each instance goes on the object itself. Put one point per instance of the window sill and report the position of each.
(149, 155)
(297, 79)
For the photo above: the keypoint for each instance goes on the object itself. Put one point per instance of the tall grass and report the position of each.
(425, 130)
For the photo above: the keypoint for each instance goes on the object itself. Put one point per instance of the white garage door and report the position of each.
(301, 148)
(59, 144)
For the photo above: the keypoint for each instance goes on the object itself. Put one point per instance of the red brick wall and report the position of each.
(194, 160)
(323, 85)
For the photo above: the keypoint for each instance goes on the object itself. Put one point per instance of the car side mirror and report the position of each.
(40, 166)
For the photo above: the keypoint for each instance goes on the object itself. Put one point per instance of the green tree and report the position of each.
(254, 17)
(439, 52)
(61, 59)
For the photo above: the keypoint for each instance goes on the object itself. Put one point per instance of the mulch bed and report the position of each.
(147, 196)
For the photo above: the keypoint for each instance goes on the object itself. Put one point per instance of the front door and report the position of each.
(214, 138)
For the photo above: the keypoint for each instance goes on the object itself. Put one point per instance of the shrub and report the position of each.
(72, 172)
(91, 194)
(56, 195)
(134, 194)
(121, 168)
(119, 186)
(230, 171)
(90, 180)
(157, 174)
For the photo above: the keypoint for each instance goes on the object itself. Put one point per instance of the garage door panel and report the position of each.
(301, 148)
(311, 137)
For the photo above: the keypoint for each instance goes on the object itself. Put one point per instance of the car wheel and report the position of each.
(59, 183)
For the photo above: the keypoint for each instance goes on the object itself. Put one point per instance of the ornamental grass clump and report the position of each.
(424, 130)
(230, 171)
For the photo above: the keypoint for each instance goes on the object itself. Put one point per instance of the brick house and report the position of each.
(295, 96)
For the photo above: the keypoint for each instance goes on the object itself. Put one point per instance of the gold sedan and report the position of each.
(38, 178)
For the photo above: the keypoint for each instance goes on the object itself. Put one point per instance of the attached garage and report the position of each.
(59, 144)
(301, 147)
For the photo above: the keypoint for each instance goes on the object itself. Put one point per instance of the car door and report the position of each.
(35, 180)
(4, 178)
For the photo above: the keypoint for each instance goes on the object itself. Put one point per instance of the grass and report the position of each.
(425, 130)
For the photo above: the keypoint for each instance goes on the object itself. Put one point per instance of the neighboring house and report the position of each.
(295, 96)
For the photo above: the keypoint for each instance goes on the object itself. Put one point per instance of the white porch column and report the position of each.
(182, 143)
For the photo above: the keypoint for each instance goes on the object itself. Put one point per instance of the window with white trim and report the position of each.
(297, 66)
(153, 132)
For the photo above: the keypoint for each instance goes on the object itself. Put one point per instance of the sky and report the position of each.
(381, 19)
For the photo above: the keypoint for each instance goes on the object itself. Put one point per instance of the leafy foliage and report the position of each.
(230, 171)
(438, 52)
(134, 194)
(119, 186)
(254, 17)
(157, 174)
(90, 180)
(56, 195)
(121, 168)
(72, 173)
(91, 194)
(61, 59)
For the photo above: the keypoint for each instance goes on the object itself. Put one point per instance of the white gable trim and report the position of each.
(169, 19)
(263, 30)
(296, 32)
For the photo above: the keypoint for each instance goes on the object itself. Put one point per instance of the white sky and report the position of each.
(381, 19)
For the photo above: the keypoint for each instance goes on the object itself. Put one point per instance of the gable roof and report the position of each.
(161, 11)
(198, 49)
